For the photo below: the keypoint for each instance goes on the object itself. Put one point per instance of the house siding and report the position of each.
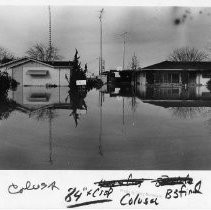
(17, 74)
(63, 72)
(190, 78)
(55, 76)
(52, 77)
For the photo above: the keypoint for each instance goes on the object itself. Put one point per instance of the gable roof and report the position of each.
(53, 64)
(167, 65)
(59, 63)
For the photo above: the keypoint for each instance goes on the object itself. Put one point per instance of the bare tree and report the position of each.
(5, 55)
(186, 54)
(42, 52)
(134, 64)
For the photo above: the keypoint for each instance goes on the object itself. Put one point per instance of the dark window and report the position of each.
(165, 78)
(37, 73)
(157, 77)
(175, 78)
(206, 75)
(175, 91)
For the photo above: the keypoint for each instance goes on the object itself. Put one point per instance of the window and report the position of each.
(206, 75)
(37, 72)
(165, 78)
(175, 78)
(39, 97)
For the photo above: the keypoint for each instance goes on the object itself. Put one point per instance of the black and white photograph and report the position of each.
(105, 104)
(105, 87)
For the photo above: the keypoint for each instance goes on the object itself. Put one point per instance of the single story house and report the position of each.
(32, 72)
(175, 73)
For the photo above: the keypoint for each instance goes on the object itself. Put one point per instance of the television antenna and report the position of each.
(124, 36)
(49, 33)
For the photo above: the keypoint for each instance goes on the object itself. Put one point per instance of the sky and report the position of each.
(153, 32)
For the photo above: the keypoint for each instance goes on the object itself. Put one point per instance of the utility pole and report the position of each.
(101, 42)
(100, 72)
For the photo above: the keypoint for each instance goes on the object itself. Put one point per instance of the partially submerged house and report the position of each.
(32, 72)
(116, 76)
(175, 73)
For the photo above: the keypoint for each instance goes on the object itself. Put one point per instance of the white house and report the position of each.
(31, 72)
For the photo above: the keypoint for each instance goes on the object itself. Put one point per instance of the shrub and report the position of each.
(6, 83)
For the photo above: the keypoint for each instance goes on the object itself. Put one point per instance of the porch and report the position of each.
(172, 78)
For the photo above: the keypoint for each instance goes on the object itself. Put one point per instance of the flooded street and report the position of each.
(105, 105)
(104, 129)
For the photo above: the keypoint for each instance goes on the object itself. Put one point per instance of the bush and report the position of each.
(6, 83)
(209, 85)
(94, 83)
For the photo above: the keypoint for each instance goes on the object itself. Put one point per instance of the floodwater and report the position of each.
(111, 128)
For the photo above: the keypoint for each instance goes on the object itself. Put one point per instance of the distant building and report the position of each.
(175, 73)
(124, 76)
(31, 72)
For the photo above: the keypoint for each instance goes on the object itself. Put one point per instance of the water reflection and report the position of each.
(41, 103)
(121, 127)
(182, 102)
(6, 107)
(101, 99)
(186, 112)
(77, 102)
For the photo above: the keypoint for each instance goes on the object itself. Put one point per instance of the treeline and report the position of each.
(38, 51)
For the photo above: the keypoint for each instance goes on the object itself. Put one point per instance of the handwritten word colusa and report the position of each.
(103, 193)
(28, 186)
(128, 199)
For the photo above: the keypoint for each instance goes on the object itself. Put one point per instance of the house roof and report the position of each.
(53, 64)
(59, 63)
(167, 65)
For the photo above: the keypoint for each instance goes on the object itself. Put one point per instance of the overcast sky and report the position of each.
(153, 32)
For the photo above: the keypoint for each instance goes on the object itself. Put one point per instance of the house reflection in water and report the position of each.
(196, 95)
(41, 103)
(35, 99)
(182, 102)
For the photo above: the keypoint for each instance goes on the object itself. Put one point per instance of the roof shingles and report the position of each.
(167, 65)
(49, 63)
(59, 63)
